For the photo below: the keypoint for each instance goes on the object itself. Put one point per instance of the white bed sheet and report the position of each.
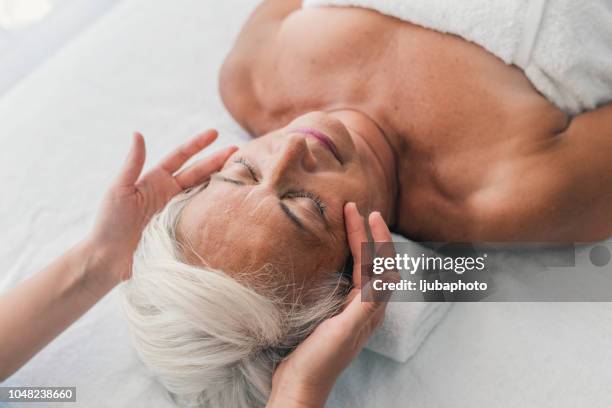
(152, 66)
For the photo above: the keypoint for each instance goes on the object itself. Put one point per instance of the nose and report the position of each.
(294, 155)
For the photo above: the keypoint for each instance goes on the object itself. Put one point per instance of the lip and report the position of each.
(321, 137)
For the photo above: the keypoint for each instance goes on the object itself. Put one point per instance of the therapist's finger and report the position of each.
(362, 315)
(356, 234)
(386, 249)
(177, 158)
(133, 164)
(382, 236)
(378, 227)
(202, 169)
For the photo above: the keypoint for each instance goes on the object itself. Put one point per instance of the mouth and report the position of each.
(323, 138)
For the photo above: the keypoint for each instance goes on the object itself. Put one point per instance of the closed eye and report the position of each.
(249, 167)
(316, 200)
(317, 204)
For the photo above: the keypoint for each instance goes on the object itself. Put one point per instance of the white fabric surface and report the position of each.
(564, 48)
(22, 50)
(152, 66)
(406, 326)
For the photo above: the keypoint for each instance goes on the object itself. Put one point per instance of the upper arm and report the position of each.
(252, 48)
(564, 189)
(557, 190)
(585, 154)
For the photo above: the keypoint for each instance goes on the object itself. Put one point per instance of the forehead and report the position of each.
(238, 230)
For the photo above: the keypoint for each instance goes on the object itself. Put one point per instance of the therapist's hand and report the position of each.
(305, 378)
(133, 199)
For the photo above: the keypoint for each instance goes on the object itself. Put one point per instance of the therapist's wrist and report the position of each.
(286, 401)
(295, 394)
(98, 265)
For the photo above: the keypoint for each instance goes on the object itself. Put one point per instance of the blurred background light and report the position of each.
(32, 31)
(16, 14)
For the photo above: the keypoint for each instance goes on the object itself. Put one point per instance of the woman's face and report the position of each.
(278, 201)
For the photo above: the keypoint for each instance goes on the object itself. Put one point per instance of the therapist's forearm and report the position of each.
(42, 306)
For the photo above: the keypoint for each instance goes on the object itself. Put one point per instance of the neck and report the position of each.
(376, 151)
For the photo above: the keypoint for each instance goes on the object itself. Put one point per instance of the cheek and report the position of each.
(311, 261)
(361, 186)
(355, 188)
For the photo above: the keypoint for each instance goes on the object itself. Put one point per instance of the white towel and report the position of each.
(563, 46)
(406, 324)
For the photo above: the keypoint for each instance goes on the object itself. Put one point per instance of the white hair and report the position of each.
(211, 340)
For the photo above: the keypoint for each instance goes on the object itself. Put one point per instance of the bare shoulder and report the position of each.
(557, 189)
(252, 48)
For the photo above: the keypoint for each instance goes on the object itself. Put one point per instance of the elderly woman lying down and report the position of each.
(436, 133)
